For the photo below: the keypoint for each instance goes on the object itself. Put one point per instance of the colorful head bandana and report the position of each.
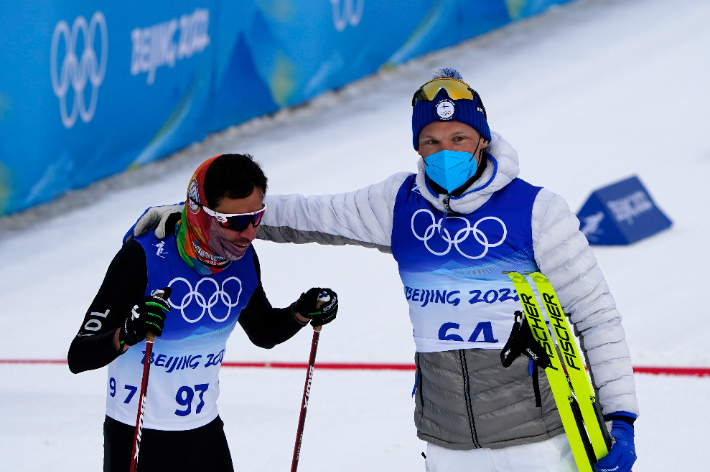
(200, 242)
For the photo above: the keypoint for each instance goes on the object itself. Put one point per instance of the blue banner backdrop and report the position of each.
(91, 88)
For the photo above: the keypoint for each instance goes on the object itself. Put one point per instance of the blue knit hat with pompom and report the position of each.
(443, 108)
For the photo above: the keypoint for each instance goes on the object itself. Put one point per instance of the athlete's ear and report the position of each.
(485, 143)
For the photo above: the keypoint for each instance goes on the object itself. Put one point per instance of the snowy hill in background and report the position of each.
(588, 94)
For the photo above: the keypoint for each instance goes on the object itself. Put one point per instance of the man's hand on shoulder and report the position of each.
(155, 218)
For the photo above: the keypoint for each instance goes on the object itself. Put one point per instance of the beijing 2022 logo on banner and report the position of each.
(78, 68)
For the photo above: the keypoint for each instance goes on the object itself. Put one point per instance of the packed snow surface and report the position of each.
(588, 94)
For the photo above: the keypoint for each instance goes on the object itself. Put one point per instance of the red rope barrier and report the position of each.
(322, 365)
(679, 371)
(688, 371)
(32, 361)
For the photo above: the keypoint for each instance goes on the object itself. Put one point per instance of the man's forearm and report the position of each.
(92, 352)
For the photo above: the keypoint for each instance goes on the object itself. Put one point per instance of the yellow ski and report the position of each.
(559, 384)
(576, 372)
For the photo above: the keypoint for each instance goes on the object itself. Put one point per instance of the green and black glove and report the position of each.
(320, 305)
(148, 314)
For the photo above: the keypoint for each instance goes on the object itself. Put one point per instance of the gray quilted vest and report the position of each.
(465, 399)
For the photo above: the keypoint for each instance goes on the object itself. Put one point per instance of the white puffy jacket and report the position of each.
(365, 217)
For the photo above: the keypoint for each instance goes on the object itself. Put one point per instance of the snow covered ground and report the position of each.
(357, 420)
(588, 94)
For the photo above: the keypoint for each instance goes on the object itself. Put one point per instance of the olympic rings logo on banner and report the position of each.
(460, 236)
(77, 71)
(347, 13)
(206, 304)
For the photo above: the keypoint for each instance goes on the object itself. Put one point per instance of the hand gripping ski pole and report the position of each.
(149, 340)
(306, 396)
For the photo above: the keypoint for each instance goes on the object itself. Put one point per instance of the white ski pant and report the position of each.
(552, 455)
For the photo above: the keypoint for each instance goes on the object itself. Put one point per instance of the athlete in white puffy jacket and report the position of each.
(453, 228)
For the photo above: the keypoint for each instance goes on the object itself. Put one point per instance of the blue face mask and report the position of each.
(450, 169)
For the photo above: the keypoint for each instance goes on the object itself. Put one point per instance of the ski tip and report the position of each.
(514, 276)
(538, 277)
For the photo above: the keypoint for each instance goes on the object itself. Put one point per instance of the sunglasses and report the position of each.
(236, 221)
(455, 89)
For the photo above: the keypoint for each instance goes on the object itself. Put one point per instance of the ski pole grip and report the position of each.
(318, 305)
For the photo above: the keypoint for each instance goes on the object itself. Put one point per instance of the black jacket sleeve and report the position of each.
(125, 282)
(267, 326)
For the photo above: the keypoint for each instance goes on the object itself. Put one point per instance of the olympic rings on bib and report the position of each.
(460, 236)
(206, 304)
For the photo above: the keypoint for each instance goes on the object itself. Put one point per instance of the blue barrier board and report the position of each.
(91, 88)
(621, 214)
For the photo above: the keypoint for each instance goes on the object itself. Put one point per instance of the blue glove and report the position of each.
(623, 452)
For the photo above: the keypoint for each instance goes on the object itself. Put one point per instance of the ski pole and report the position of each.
(149, 340)
(306, 396)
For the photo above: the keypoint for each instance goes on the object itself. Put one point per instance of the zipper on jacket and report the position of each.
(418, 381)
(446, 204)
(447, 210)
(467, 396)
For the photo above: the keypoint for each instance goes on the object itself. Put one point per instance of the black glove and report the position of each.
(148, 314)
(522, 341)
(320, 305)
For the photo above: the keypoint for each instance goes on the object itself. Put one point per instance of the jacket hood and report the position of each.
(502, 168)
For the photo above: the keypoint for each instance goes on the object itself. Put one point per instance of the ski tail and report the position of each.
(588, 448)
